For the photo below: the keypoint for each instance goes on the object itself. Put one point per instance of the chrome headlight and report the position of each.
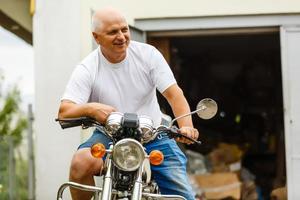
(146, 127)
(113, 122)
(128, 154)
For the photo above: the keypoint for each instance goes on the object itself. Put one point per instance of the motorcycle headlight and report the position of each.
(113, 122)
(146, 127)
(128, 155)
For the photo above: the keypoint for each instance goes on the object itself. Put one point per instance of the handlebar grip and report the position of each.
(70, 124)
(73, 122)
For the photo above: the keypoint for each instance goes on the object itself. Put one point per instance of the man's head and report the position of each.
(111, 32)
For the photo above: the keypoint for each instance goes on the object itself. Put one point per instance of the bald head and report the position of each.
(105, 15)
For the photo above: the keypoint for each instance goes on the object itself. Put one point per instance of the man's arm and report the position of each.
(98, 111)
(180, 106)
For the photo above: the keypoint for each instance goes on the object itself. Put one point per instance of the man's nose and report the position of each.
(121, 35)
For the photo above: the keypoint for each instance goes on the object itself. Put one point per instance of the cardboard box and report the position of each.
(219, 185)
(279, 194)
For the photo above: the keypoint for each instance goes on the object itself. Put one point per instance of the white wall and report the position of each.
(290, 47)
(135, 9)
(56, 41)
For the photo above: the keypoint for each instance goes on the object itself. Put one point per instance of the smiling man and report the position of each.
(123, 75)
(111, 32)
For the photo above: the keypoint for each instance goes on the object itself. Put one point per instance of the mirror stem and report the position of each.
(191, 113)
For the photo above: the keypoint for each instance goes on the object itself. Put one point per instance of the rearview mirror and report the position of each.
(207, 108)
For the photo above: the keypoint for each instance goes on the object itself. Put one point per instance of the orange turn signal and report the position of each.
(98, 150)
(156, 157)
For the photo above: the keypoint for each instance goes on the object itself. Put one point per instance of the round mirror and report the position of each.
(207, 108)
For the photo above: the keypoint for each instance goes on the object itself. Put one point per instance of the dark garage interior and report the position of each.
(242, 73)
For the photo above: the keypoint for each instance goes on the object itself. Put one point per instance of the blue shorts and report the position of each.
(171, 175)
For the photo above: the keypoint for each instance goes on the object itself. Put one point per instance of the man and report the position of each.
(123, 75)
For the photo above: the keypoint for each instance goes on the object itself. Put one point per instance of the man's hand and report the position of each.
(190, 132)
(100, 111)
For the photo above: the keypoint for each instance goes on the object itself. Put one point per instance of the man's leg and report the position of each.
(83, 168)
(171, 175)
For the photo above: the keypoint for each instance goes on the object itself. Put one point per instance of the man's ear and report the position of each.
(95, 37)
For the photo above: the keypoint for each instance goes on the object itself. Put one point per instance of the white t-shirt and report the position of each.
(129, 86)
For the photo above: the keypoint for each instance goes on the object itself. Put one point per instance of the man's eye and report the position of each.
(112, 32)
(124, 30)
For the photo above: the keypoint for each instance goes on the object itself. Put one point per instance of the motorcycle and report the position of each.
(126, 172)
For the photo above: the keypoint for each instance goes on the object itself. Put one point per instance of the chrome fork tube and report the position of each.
(138, 185)
(107, 183)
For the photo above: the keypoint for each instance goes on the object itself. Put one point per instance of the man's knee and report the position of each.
(84, 164)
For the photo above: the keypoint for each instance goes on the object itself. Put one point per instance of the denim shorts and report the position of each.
(171, 175)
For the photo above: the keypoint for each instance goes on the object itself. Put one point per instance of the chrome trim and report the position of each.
(146, 128)
(107, 183)
(113, 123)
(77, 186)
(162, 197)
(138, 185)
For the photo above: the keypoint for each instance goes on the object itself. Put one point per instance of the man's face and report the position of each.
(113, 36)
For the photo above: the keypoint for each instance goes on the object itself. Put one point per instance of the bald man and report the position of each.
(123, 75)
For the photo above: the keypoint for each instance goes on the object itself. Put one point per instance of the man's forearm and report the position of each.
(72, 110)
(180, 107)
(98, 111)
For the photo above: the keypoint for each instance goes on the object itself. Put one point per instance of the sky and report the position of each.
(16, 64)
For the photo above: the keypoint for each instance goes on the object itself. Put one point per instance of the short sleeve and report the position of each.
(79, 86)
(161, 74)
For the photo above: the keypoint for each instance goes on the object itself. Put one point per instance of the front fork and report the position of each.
(138, 185)
(107, 183)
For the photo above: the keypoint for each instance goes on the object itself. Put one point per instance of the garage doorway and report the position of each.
(241, 70)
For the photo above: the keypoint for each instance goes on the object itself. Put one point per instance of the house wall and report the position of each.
(18, 11)
(57, 50)
(136, 9)
(290, 48)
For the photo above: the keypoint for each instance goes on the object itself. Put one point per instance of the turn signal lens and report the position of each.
(98, 150)
(156, 157)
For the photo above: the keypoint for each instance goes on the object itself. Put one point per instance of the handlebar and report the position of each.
(86, 122)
